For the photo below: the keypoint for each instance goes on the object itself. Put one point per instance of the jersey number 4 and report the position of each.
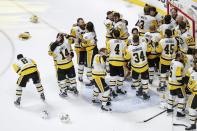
(117, 50)
(139, 56)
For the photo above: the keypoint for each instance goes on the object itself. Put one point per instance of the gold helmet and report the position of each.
(34, 19)
(24, 36)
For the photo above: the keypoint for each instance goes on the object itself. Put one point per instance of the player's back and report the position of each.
(116, 49)
(26, 66)
(176, 71)
(98, 65)
(169, 46)
(62, 52)
(186, 40)
(163, 28)
(138, 56)
(145, 21)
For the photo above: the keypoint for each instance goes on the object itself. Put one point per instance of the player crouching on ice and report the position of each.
(63, 54)
(98, 75)
(27, 69)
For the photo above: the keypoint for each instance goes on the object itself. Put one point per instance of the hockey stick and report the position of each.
(176, 124)
(156, 115)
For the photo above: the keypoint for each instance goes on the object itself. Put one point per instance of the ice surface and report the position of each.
(84, 116)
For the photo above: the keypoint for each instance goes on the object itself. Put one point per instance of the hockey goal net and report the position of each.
(184, 8)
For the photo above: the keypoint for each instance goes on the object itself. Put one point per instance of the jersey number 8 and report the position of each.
(24, 61)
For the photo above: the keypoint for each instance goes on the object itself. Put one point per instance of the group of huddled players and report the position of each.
(158, 46)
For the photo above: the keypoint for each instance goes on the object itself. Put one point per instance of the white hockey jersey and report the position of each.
(189, 59)
(25, 66)
(162, 28)
(90, 41)
(186, 40)
(116, 49)
(167, 47)
(122, 27)
(138, 57)
(98, 69)
(77, 33)
(145, 21)
(62, 55)
(176, 72)
(109, 26)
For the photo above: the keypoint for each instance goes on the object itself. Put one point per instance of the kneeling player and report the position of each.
(98, 74)
(176, 85)
(27, 69)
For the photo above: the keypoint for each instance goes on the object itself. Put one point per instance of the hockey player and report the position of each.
(77, 32)
(167, 48)
(191, 81)
(152, 38)
(63, 54)
(167, 25)
(154, 13)
(27, 69)
(50, 53)
(176, 85)
(186, 40)
(109, 25)
(137, 54)
(145, 21)
(116, 49)
(89, 42)
(188, 61)
(135, 31)
(121, 25)
(98, 74)
(174, 14)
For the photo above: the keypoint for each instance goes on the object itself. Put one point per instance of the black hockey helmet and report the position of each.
(182, 25)
(109, 12)
(90, 26)
(19, 56)
(134, 29)
(153, 9)
(136, 39)
(147, 9)
(168, 33)
(116, 14)
(167, 19)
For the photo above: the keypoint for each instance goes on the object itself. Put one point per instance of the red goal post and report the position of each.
(170, 4)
